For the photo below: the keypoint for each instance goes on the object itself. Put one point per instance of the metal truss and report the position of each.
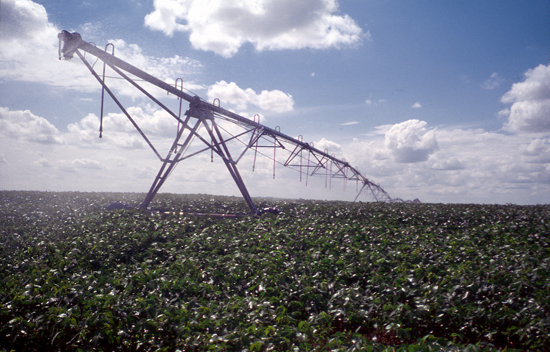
(221, 132)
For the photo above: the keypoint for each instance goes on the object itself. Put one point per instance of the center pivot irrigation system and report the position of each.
(215, 128)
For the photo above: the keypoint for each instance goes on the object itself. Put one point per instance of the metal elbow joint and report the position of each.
(68, 43)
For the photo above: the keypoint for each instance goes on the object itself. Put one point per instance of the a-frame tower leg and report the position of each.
(169, 163)
(221, 149)
(218, 145)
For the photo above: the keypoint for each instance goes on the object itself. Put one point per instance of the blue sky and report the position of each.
(445, 101)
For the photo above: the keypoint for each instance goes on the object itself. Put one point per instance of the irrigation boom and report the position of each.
(204, 121)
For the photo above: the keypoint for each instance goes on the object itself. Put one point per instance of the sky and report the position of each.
(444, 101)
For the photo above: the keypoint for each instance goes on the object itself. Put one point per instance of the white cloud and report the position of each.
(23, 19)
(328, 145)
(492, 82)
(27, 126)
(42, 157)
(416, 105)
(166, 15)
(529, 116)
(43, 162)
(447, 163)
(470, 165)
(460, 166)
(349, 123)
(224, 26)
(530, 110)
(120, 133)
(536, 86)
(29, 46)
(538, 151)
(118, 130)
(76, 165)
(29, 52)
(375, 103)
(410, 141)
(241, 99)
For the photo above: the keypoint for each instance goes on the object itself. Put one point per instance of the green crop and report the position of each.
(321, 276)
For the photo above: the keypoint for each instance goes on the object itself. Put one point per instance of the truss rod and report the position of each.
(156, 101)
(230, 164)
(118, 103)
(163, 174)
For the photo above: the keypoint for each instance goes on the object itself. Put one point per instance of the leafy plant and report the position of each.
(320, 276)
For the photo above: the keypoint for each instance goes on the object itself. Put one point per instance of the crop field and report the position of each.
(322, 276)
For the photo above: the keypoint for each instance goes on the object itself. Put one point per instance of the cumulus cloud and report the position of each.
(416, 105)
(462, 165)
(469, 165)
(29, 52)
(530, 99)
(43, 157)
(156, 122)
(410, 141)
(23, 19)
(119, 132)
(27, 126)
(224, 26)
(28, 44)
(328, 145)
(538, 151)
(241, 99)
